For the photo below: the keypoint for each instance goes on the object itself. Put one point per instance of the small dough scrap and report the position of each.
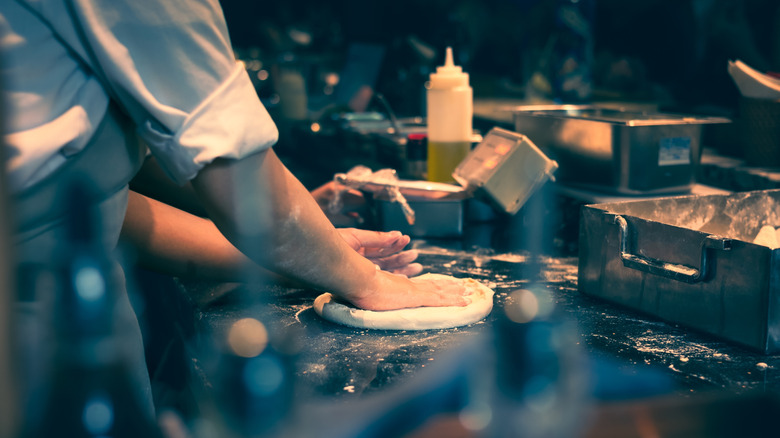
(767, 236)
(418, 318)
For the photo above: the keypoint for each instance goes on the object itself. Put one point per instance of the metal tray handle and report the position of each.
(661, 268)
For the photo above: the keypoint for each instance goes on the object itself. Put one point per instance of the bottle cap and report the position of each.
(417, 146)
(449, 75)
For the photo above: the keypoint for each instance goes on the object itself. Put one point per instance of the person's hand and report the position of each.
(353, 204)
(384, 249)
(391, 291)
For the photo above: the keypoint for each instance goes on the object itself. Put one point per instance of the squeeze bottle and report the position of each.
(449, 100)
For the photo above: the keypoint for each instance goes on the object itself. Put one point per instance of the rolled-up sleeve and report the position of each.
(170, 64)
(231, 123)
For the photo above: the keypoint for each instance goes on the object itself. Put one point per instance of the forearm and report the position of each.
(279, 225)
(178, 243)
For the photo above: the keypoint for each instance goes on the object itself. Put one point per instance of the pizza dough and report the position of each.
(418, 318)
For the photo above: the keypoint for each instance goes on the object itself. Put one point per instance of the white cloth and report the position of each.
(168, 63)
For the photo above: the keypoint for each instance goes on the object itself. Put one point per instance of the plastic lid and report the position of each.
(449, 75)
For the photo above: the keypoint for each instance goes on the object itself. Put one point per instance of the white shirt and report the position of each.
(168, 63)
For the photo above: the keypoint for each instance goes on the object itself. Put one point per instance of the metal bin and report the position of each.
(689, 260)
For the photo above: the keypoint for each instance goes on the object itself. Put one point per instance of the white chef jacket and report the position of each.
(168, 63)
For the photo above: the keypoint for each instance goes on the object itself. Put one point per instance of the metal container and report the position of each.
(689, 260)
(617, 151)
(433, 217)
(439, 208)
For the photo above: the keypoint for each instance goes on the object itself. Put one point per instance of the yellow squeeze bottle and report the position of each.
(449, 100)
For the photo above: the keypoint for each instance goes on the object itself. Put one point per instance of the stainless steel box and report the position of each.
(433, 217)
(617, 151)
(439, 208)
(689, 260)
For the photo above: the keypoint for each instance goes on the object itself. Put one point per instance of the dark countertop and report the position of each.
(346, 362)
(628, 357)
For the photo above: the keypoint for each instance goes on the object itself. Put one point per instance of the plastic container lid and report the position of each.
(449, 75)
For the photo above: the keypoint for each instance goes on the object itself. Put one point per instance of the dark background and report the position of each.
(673, 52)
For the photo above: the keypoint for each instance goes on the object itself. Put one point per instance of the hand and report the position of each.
(384, 249)
(390, 291)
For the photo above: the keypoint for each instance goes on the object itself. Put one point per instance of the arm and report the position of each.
(172, 241)
(199, 114)
(178, 243)
(280, 226)
(152, 181)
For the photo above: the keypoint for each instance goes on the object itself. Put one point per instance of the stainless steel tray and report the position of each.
(614, 150)
(689, 260)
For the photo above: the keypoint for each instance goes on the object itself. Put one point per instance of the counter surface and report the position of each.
(337, 361)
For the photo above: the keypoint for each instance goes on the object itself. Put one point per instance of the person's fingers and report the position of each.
(409, 270)
(389, 247)
(375, 243)
(395, 261)
(398, 245)
(376, 239)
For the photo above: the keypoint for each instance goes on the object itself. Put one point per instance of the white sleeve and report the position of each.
(170, 64)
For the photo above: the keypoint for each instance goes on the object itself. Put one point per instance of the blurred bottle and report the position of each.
(90, 392)
(416, 156)
(572, 62)
(290, 84)
(536, 381)
(254, 385)
(449, 119)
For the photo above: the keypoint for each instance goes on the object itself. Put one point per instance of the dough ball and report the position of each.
(418, 318)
